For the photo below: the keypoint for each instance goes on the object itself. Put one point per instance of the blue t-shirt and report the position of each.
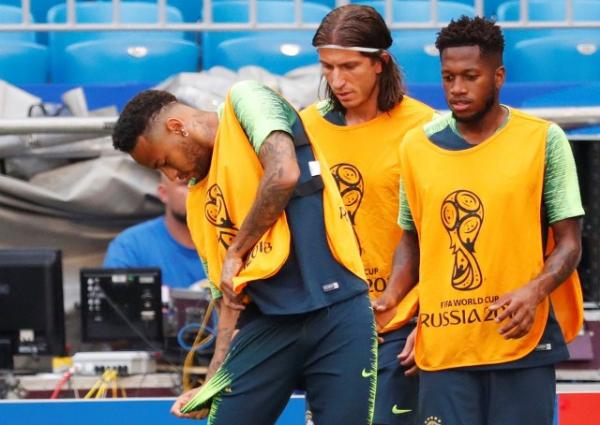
(149, 244)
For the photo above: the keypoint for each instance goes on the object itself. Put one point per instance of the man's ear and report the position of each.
(161, 191)
(174, 125)
(385, 57)
(499, 77)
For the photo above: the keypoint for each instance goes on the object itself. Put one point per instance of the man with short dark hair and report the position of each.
(265, 214)
(480, 186)
(359, 126)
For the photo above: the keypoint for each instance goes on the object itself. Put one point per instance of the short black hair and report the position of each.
(136, 115)
(475, 31)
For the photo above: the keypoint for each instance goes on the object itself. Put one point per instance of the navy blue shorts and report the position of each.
(397, 395)
(331, 353)
(488, 397)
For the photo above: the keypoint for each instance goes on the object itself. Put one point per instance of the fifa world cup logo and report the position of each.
(352, 188)
(462, 216)
(216, 213)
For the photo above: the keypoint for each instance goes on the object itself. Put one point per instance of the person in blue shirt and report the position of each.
(162, 242)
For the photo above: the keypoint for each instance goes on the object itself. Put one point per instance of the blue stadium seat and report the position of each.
(329, 3)
(191, 10)
(420, 11)
(39, 8)
(550, 10)
(490, 7)
(545, 10)
(415, 49)
(558, 58)
(14, 15)
(122, 61)
(417, 55)
(101, 12)
(272, 11)
(23, 62)
(277, 54)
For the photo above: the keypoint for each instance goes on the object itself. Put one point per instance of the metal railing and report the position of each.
(565, 116)
(207, 23)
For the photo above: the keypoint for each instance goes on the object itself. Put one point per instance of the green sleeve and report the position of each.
(260, 111)
(214, 291)
(405, 219)
(562, 199)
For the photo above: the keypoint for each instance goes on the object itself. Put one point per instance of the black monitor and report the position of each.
(31, 303)
(121, 304)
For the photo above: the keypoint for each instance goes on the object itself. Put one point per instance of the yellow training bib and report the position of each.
(365, 164)
(218, 205)
(477, 213)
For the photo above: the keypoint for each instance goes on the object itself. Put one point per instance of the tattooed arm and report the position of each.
(522, 303)
(225, 331)
(281, 173)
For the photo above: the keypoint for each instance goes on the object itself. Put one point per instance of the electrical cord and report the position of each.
(198, 341)
(65, 378)
(101, 386)
(134, 328)
(131, 325)
(192, 326)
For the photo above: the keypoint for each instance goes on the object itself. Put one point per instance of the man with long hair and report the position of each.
(359, 126)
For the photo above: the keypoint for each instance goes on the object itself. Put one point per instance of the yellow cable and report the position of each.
(100, 393)
(114, 389)
(93, 389)
(101, 385)
(107, 377)
(189, 358)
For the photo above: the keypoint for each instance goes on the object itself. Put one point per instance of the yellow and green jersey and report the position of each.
(561, 195)
(478, 213)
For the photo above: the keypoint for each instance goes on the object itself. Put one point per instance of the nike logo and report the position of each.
(366, 374)
(397, 411)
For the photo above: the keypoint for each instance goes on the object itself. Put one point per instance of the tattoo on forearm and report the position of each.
(221, 348)
(566, 255)
(560, 265)
(276, 153)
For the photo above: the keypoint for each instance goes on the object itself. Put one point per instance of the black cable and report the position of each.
(134, 328)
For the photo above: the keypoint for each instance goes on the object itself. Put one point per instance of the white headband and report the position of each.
(354, 49)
